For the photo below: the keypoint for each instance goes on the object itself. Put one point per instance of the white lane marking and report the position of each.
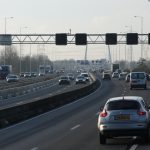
(134, 137)
(19, 103)
(37, 98)
(35, 148)
(75, 127)
(133, 147)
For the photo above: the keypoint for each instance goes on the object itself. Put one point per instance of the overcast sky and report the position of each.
(86, 16)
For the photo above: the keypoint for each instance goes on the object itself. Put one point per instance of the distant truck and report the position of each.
(115, 68)
(5, 70)
(45, 69)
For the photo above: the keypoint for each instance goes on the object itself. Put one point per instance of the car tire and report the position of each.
(102, 139)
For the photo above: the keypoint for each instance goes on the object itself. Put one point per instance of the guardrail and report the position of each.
(12, 115)
(17, 91)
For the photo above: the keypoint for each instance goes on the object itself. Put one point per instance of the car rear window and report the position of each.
(137, 75)
(122, 104)
(107, 75)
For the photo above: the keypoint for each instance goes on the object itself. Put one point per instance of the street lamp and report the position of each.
(141, 17)
(6, 18)
(20, 45)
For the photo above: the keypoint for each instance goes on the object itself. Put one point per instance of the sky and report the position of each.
(81, 16)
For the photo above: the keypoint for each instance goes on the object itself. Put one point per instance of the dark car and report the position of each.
(147, 77)
(33, 74)
(106, 76)
(71, 76)
(64, 80)
(21, 74)
(115, 75)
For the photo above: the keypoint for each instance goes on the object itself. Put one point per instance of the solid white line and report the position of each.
(133, 147)
(75, 127)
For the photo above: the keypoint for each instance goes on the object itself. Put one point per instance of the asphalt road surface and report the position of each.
(73, 126)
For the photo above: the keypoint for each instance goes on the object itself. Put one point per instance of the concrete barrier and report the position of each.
(13, 115)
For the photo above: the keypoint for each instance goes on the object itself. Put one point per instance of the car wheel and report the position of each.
(102, 139)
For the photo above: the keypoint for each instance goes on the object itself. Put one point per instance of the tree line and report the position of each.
(10, 56)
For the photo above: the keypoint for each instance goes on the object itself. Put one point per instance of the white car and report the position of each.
(138, 80)
(86, 75)
(41, 74)
(115, 75)
(124, 116)
(64, 80)
(80, 79)
(12, 78)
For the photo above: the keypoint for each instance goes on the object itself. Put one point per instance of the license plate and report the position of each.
(122, 117)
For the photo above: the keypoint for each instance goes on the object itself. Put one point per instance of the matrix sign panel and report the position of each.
(61, 39)
(5, 39)
(81, 39)
(148, 38)
(111, 39)
(132, 38)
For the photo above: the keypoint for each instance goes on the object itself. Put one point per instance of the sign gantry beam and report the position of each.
(108, 39)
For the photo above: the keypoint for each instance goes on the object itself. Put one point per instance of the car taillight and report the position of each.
(141, 113)
(103, 114)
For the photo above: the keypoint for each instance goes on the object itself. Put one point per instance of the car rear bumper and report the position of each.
(124, 132)
(138, 85)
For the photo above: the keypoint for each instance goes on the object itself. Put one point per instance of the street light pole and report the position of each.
(142, 19)
(5, 34)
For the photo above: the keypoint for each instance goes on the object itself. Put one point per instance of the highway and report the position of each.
(73, 126)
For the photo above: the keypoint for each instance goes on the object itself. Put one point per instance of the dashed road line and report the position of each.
(19, 103)
(35, 148)
(75, 127)
(133, 147)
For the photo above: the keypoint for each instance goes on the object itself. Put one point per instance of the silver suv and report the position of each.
(124, 116)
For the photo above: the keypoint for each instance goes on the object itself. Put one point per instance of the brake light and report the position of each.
(103, 114)
(141, 113)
